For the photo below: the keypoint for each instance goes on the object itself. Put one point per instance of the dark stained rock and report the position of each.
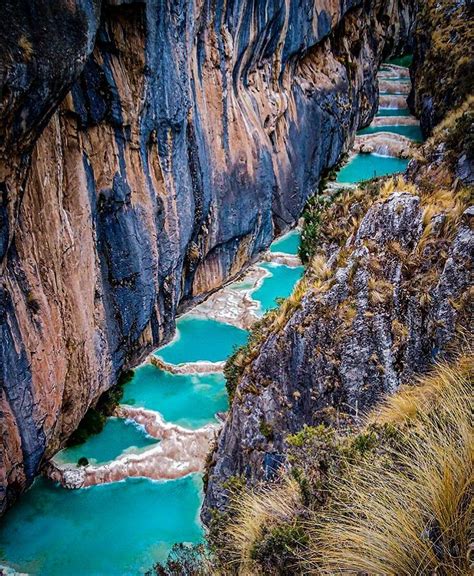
(44, 45)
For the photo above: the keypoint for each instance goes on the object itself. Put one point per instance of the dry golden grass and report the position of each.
(408, 512)
(396, 249)
(451, 119)
(410, 401)
(319, 268)
(317, 277)
(255, 512)
(347, 312)
(404, 510)
(380, 291)
(25, 44)
(399, 332)
(396, 184)
(283, 313)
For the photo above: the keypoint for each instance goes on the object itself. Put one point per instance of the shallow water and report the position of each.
(201, 339)
(288, 244)
(412, 132)
(114, 529)
(393, 112)
(242, 285)
(367, 166)
(124, 528)
(404, 61)
(279, 285)
(190, 400)
(118, 437)
(382, 93)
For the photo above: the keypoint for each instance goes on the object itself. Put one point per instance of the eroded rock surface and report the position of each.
(43, 48)
(386, 296)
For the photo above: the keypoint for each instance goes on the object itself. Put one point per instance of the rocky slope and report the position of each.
(443, 60)
(386, 294)
(193, 132)
(368, 499)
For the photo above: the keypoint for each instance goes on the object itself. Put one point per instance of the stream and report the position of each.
(132, 513)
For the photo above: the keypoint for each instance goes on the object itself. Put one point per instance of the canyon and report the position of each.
(149, 152)
(236, 245)
(152, 451)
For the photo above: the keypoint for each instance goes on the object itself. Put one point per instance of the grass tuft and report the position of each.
(257, 513)
(409, 510)
(392, 497)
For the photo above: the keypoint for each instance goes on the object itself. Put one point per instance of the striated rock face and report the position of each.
(386, 295)
(195, 130)
(43, 49)
(443, 60)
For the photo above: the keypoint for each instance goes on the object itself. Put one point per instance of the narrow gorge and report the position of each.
(204, 254)
(184, 143)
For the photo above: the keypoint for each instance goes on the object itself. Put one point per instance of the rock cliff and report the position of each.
(443, 60)
(385, 296)
(142, 176)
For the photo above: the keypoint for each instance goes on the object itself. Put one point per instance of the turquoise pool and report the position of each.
(279, 285)
(393, 112)
(202, 339)
(116, 529)
(118, 437)
(288, 244)
(190, 400)
(367, 166)
(404, 61)
(412, 132)
(382, 93)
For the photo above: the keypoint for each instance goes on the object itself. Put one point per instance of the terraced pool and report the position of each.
(367, 166)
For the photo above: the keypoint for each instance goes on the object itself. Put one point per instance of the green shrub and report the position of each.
(233, 370)
(184, 560)
(92, 423)
(365, 442)
(95, 418)
(234, 484)
(266, 430)
(309, 433)
(311, 228)
(243, 355)
(280, 549)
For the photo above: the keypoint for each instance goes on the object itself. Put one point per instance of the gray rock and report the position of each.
(387, 315)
